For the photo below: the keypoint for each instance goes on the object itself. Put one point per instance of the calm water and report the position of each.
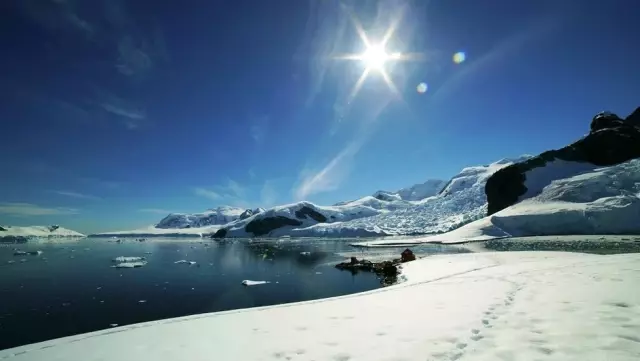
(71, 287)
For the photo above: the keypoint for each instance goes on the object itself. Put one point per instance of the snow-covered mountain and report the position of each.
(414, 193)
(22, 234)
(438, 208)
(512, 190)
(600, 201)
(217, 216)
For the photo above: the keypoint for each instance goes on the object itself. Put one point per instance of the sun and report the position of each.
(375, 57)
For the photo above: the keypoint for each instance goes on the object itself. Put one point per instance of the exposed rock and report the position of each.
(246, 214)
(305, 211)
(634, 118)
(2, 229)
(221, 233)
(605, 120)
(387, 270)
(53, 228)
(407, 255)
(610, 142)
(260, 227)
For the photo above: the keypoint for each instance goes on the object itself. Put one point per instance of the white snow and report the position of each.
(184, 261)
(603, 201)
(254, 283)
(128, 259)
(152, 231)
(130, 264)
(217, 216)
(489, 306)
(36, 232)
(538, 178)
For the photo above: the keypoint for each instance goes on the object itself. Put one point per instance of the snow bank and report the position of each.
(128, 259)
(490, 306)
(37, 232)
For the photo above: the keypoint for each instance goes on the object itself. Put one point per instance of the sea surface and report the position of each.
(72, 286)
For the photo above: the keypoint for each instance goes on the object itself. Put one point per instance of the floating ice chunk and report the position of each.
(113, 325)
(19, 253)
(305, 253)
(185, 261)
(253, 283)
(142, 301)
(130, 265)
(128, 259)
(318, 273)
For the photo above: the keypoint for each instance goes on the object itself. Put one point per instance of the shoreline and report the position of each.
(448, 307)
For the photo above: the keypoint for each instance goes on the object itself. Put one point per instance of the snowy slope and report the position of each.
(217, 216)
(480, 307)
(293, 220)
(413, 193)
(460, 201)
(37, 232)
(603, 201)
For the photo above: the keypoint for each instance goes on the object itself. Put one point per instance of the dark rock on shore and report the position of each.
(305, 212)
(387, 270)
(611, 141)
(260, 227)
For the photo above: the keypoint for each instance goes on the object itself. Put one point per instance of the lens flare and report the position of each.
(459, 57)
(422, 88)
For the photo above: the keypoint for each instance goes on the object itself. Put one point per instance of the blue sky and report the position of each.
(115, 113)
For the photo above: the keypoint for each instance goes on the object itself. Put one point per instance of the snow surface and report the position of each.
(38, 232)
(538, 178)
(254, 283)
(217, 216)
(161, 232)
(485, 306)
(128, 259)
(603, 201)
(136, 264)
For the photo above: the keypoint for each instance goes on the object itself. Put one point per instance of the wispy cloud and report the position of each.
(330, 176)
(29, 209)
(78, 195)
(155, 211)
(268, 194)
(129, 50)
(109, 184)
(206, 193)
(234, 188)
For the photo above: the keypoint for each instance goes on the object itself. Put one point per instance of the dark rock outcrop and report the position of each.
(2, 229)
(386, 270)
(407, 255)
(260, 227)
(221, 233)
(305, 211)
(611, 141)
(53, 228)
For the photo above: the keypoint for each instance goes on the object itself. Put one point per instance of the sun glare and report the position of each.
(375, 57)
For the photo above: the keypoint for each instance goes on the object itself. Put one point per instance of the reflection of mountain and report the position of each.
(279, 252)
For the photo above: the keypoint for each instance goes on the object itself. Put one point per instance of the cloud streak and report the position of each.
(207, 193)
(330, 176)
(77, 195)
(29, 209)
(155, 211)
